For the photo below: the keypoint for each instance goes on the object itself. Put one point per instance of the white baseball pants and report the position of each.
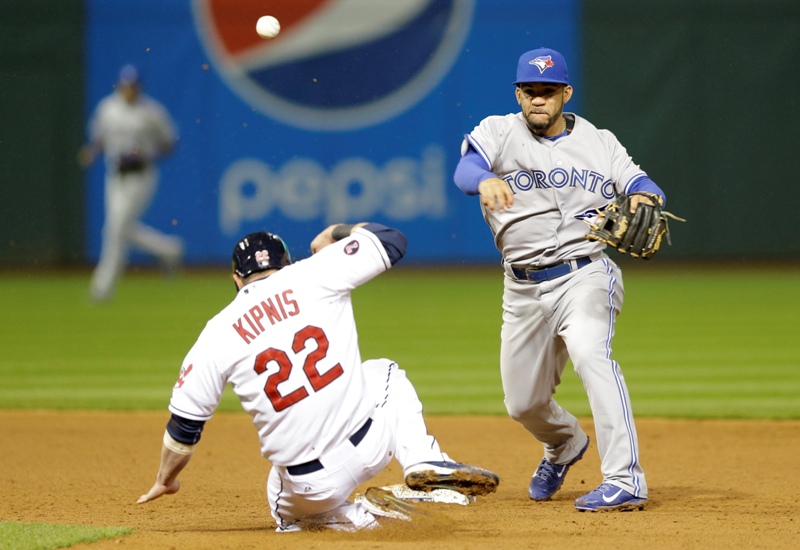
(320, 499)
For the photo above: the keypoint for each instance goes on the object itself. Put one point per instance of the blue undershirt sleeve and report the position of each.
(470, 171)
(393, 241)
(643, 184)
(184, 430)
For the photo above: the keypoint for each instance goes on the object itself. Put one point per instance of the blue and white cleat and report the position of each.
(608, 498)
(548, 477)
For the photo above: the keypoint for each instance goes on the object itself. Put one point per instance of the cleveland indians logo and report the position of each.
(182, 376)
(351, 248)
(543, 62)
(262, 258)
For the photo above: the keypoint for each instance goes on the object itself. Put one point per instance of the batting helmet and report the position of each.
(259, 251)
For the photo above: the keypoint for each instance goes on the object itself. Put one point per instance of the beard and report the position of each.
(541, 126)
(538, 127)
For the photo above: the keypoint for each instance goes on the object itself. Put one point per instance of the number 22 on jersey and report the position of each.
(281, 358)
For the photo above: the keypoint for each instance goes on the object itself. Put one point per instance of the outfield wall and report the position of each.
(702, 93)
(42, 206)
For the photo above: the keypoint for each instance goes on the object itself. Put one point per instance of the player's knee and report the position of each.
(584, 357)
(385, 378)
(382, 370)
(529, 410)
(383, 364)
(592, 366)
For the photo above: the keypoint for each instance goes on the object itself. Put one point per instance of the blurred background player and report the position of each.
(134, 131)
(288, 346)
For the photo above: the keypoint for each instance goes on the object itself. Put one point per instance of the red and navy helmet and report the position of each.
(259, 251)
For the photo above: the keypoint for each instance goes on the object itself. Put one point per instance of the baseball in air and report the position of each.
(268, 27)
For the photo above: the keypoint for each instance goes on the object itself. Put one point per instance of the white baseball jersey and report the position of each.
(288, 346)
(556, 185)
(122, 128)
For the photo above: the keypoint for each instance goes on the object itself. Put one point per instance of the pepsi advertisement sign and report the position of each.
(354, 112)
(336, 65)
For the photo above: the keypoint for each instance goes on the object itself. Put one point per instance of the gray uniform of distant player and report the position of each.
(123, 127)
(556, 184)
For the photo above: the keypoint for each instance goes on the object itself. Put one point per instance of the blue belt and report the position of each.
(315, 465)
(547, 273)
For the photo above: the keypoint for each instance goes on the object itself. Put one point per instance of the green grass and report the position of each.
(720, 343)
(62, 351)
(16, 535)
(692, 343)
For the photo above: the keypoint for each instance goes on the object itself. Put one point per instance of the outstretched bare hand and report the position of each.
(159, 489)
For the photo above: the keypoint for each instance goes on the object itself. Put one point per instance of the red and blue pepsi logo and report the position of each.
(336, 64)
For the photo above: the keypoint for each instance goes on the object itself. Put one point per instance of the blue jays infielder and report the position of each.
(540, 173)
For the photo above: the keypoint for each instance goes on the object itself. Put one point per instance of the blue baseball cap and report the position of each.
(542, 65)
(129, 75)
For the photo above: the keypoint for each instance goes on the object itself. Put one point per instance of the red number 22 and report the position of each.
(318, 381)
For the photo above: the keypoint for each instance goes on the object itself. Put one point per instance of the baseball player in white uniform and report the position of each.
(133, 131)
(540, 173)
(327, 421)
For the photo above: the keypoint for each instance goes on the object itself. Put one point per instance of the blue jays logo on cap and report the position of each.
(542, 62)
(336, 64)
(542, 65)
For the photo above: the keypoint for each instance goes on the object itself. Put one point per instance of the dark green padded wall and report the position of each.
(704, 95)
(41, 127)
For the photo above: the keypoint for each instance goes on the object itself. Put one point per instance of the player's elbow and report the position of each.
(393, 240)
(396, 247)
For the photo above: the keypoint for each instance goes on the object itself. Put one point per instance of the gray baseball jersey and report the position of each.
(556, 186)
(143, 126)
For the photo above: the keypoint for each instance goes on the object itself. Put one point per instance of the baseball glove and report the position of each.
(638, 234)
(131, 162)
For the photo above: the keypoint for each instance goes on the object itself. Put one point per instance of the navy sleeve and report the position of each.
(393, 241)
(643, 184)
(184, 430)
(471, 171)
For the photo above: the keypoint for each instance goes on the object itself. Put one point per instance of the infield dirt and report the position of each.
(713, 484)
